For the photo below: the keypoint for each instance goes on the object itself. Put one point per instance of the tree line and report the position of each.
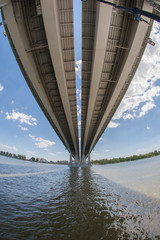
(22, 157)
(11, 155)
(126, 159)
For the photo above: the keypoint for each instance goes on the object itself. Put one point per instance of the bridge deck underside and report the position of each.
(117, 48)
(29, 12)
(42, 38)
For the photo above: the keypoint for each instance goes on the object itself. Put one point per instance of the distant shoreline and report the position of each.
(125, 159)
(32, 159)
(94, 162)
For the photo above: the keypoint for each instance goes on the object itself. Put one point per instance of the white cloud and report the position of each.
(11, 148)
(79, 93)
(107, 150)
(21, 117)
(60, 152)
(79, 123)
(94, 153)
(42, 143)
(148, 128)
(52, 154)
(101, 139)
(143, 90)
(144, 110)
(127, 116)
(12, 102)
(30, 152)
(78, 110)
(1, 87)
(113, 124)
(23, 128)
(78, 68)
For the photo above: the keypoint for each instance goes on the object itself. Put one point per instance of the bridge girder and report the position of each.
(117, 42)
(45, 59)
(42, 38)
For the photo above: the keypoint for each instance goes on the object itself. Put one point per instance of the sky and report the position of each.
(134, 128)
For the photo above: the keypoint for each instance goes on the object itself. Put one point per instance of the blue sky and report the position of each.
(134, 128)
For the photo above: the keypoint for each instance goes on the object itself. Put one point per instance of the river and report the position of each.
(42, 201)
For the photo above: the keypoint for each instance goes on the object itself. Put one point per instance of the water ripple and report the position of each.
(55, 202)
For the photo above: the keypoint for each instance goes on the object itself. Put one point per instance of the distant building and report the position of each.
(43, 160)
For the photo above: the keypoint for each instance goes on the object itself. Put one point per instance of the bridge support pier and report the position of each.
(84, 162)
(83, 159)
(89, 158)
(76, 159)
(70, 159)
(75, 162)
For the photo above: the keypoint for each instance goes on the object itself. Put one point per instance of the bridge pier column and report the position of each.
(83, 159)
(73, 162)
(76, 159)
(70, 159)
(89, 158)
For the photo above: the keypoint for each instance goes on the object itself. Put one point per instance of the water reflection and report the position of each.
(74, 203)
(104, 210)
(83, 207)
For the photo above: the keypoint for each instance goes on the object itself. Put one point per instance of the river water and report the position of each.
(42, 201)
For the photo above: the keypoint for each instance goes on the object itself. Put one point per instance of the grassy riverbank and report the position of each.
(126, 159)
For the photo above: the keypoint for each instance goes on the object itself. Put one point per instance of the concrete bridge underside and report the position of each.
(41, 35)
(113, 43)
(42, 38)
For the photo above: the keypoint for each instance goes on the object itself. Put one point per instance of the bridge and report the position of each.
(41, 34)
